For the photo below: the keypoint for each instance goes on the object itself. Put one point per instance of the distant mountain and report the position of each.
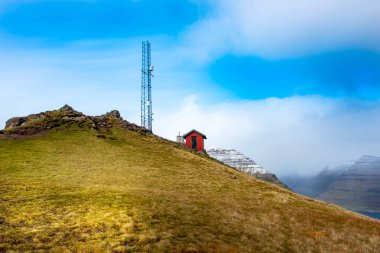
(242, 163)
(321, 182)
(357, 188)
(353, 185)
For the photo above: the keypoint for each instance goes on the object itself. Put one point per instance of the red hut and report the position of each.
(195, 140)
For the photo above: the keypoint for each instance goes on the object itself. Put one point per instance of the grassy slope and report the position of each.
(70, 190)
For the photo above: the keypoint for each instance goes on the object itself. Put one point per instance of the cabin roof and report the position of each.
(194, 131)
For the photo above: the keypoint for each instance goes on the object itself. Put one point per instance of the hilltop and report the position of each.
(76, 183)
(65, 116)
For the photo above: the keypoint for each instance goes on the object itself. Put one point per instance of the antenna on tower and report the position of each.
(146, 87)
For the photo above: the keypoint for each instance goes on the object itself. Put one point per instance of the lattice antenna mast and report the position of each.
(146, 87)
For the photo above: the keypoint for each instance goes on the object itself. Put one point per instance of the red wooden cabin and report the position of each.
(195, 140)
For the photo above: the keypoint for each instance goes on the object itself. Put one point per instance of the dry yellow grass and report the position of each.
(69, 191)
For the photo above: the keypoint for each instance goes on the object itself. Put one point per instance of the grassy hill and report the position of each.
(81, 188)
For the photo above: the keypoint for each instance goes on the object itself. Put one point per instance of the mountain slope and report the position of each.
(79, 185)
(242, 163)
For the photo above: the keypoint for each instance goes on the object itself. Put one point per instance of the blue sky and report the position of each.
(353, 74)
(63, 21)
(316, 62)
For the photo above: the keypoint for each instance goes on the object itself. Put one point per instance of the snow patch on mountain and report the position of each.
(237, 160)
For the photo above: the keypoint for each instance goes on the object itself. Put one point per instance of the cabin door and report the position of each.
(194, 142)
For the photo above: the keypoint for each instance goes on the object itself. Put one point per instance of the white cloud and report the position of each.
(286, 28)
(292, 135)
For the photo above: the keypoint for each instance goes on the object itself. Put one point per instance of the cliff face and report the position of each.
(358, 188)
(242, 163)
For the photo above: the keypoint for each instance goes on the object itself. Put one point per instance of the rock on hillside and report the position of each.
(36, 123)
(357, 188)
(242, 163)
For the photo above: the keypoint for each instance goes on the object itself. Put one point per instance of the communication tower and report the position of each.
(146, 87)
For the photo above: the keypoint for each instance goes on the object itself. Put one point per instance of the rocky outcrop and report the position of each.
(14, 122)
(242, 163)
(67, 108)
(66, 115)
(66, 112)
(115, 114)
(271, 178)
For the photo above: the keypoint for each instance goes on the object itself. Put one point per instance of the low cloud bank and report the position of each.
(295, 135)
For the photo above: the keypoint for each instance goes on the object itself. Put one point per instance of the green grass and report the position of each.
(68, 190)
